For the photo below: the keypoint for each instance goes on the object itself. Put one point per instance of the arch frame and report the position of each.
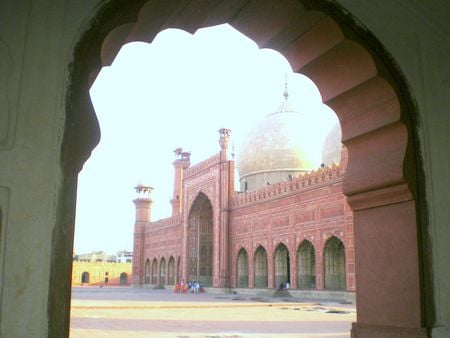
(79, 110)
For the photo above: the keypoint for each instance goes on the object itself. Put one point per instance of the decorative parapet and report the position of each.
(166, 222)
(314, 179)
(213, 160)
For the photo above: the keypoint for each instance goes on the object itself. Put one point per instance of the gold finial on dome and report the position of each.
(284, 107)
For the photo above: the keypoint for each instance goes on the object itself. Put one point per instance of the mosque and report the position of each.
(288, 223)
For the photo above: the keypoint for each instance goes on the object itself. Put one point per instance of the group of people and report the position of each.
(191, 287)
(284, 286)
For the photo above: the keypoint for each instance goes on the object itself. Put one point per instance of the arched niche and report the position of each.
(306, 266)
(242, 269)
(260, 268)
(171, 271)
(200, 241)
(147, 274)
(281, 266)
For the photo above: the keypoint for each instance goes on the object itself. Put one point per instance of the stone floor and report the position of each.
(133, 312)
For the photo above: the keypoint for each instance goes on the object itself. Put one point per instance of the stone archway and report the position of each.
(281, 266)
(306, 266)
(200, 246)
(162, 271)
(334, 264)
(242, 269)
(85, 277)
(123, 278)
(171, 271)
(147, 275)
(260, 264)
(154, 272)
(356, 78)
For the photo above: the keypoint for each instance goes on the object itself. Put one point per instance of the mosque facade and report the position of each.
(288, 223)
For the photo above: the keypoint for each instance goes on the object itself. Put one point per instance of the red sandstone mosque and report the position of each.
(288, 223)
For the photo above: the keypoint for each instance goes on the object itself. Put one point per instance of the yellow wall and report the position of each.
(97, 272)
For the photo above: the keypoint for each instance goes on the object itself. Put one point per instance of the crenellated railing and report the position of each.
(164, 222)
(209, 162)
(316, 178)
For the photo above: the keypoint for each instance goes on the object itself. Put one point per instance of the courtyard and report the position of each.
(134, 312)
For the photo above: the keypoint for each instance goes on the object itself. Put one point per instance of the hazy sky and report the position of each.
(176, 92)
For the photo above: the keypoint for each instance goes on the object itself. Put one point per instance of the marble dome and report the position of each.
(277, 143)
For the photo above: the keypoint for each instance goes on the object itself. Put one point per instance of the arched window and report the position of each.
(306, 266)
(261, 268)
(242, 269)
(85, 277)
(282, 265)
(334, 264)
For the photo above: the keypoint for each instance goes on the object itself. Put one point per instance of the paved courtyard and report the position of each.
(133, 312)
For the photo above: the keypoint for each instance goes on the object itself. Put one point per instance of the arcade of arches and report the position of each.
(383, 70)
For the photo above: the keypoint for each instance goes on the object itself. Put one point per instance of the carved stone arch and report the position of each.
(198, 194)
(171, 270)
(154, 278)
(334, 272)
(281, 263)
(242, 268)
(306, 265)
(261, 268)
(147, 271)
(200, 240)
(356, 77)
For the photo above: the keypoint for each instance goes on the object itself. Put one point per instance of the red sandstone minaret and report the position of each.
(226, 190)
(182, 162)
(143, 205)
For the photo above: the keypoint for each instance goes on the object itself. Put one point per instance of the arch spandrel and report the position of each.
(192, 198)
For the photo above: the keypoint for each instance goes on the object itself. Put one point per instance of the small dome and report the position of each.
(331, 152)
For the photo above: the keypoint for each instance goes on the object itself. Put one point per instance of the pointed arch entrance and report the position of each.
(154, 271)
(306, 266)
(85, 277)
(282, 265)
(171, 271)
(356, 77)
(200, 247)
(147, 272)
(123, 278)
(261, 274)
(334, 264)
(162, 271)
(242, 269)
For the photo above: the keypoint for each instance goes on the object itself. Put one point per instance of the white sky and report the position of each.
(176, 92)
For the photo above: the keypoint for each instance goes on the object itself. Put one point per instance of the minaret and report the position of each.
(143, 205)
(226, 191)
(223, 141)
(182, 162)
